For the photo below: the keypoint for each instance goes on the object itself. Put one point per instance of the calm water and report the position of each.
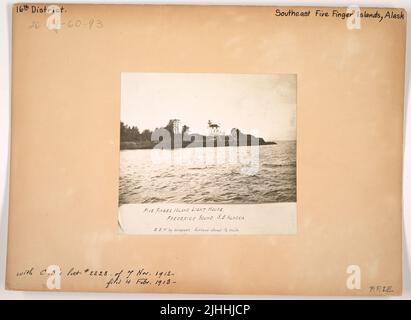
(209, 175)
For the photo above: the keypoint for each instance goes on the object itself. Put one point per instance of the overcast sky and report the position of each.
(255, 103)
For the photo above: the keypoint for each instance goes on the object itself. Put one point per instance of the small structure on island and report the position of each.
(213, 128)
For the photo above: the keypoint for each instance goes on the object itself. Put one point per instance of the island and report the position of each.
(172, 137)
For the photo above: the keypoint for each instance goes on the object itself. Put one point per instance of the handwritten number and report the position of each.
(99, 24)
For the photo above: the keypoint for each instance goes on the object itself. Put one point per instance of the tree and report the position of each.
(185, 129)
(170, 126)
(134, 134)
(123, 130)
(129, 134)
(235, 132)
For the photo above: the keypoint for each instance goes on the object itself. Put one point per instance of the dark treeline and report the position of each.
(132, 134)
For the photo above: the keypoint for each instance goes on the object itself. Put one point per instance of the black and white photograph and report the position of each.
(207, 138)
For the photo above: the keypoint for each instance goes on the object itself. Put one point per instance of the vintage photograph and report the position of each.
(203, 138)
